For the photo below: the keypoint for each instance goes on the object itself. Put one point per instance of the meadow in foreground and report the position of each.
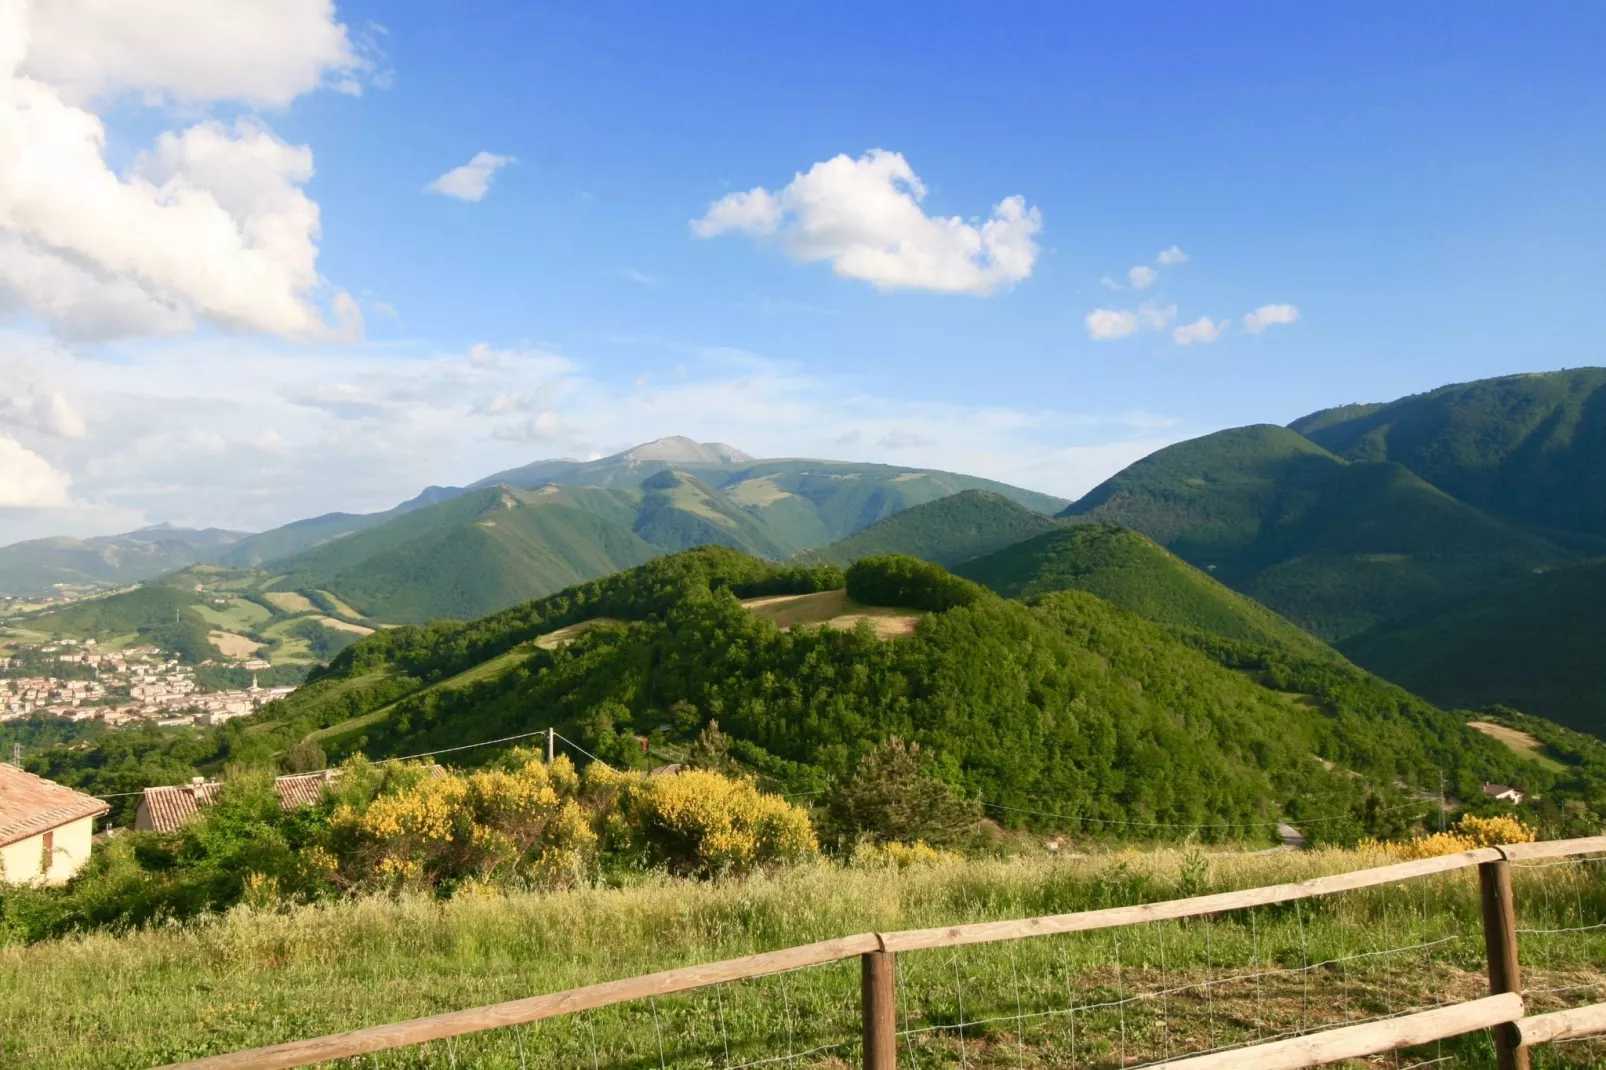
(1123, 997)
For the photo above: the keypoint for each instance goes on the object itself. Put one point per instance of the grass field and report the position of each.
(290, 601)
(233, 646)
(340, 607)
(563, 636)
(344, 626)
(1102, 999)
(1521, 742)
(484, 670)
(238, 616)
(834, 609)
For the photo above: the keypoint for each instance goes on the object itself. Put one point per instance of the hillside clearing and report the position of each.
(565, 636)
(483, 671)
(339, 606)
(834, 609)
(238, 615)
(233, 646)
(290, 601)
(344, 626)
(756, 492)
(1519, 741)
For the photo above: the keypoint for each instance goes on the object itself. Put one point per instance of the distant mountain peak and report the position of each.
(679, 448)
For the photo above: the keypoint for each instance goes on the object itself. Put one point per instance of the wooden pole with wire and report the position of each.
(1500, 945)
(879, 992)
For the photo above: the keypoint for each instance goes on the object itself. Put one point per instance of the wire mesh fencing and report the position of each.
(1119, 987)
(1562, 936)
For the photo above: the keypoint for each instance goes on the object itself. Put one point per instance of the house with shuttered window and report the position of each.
(45, 828)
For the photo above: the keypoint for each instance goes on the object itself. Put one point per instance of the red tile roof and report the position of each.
(168, 808)
(302, 789)
(31, 804)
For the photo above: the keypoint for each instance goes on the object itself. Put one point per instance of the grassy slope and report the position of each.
(253, 978)
(1528, 447)
(118, 614)
(678, 511)
(1336, 547)
(475, 553)
(1134, 572)
(1536, 647)
(35, 566)
(946, 531)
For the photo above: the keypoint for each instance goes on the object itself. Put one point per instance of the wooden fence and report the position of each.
(1502, 1010)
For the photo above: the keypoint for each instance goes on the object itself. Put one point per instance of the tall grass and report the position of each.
(1108, 998)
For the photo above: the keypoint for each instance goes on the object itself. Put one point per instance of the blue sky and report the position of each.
(1422, 183)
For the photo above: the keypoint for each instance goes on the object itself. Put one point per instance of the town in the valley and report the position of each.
(74, 680)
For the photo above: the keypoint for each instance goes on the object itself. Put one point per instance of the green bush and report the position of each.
(910, 583)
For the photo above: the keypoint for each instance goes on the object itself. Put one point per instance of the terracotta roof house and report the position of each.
(166, 809)
(45, 828)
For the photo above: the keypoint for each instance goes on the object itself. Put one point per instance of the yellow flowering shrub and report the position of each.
(894, 855)
(516, 821)
(1469, 833)
(700, 823)
(526, 821)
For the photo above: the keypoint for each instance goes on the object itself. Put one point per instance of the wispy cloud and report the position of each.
(1108, 324)
(1269, 316)
(472, 181)
(1201, 331)
(246, 442)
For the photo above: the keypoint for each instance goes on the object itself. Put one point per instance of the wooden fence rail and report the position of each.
(1502, 1010)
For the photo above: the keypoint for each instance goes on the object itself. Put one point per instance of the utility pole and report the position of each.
(1441, 800)
(549, 745)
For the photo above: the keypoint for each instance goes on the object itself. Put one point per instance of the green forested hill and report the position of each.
(1530, 448)
(946, 531)
(35, 567)
(1539, 646)
(1133, 572)
(1068, 705)
(1336, 546)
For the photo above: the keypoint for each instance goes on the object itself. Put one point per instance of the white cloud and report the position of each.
(1269, 315)
(1202, 331)
(263, 52)
(210, 223)
(472, 181)
(1110, 284)
(864, 216)
(1105, 324)
(27, 480)
(241, 438)
(1141, 277)
(1108, 324)
(1171, 257)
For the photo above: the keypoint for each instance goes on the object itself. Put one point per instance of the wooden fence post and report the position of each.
(879, 991)
(1500, 945)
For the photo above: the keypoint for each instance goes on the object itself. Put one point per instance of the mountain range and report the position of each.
(1451, 541)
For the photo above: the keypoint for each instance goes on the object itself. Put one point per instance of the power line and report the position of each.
(1176, 825)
